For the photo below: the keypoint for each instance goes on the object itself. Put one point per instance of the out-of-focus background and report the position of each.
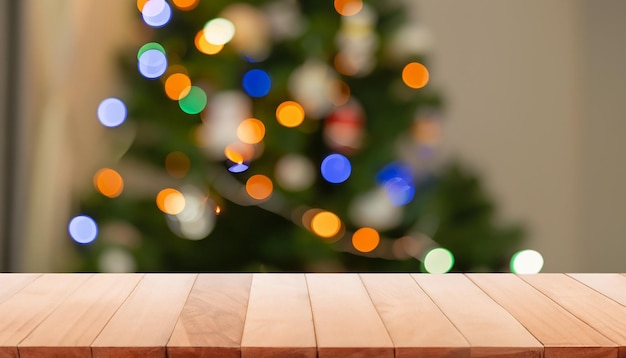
(533, 100)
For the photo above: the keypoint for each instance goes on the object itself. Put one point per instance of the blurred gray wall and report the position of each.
(536, 94)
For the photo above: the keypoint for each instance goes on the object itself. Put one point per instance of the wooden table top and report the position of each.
(311, 315)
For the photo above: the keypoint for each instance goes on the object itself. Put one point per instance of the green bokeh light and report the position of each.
(194, 102)
(150, 46)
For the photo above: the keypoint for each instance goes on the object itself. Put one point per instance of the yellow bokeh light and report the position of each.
(290, 114)
(365, 239)
(259, 187)
(239, 152)
(205, 46)
(251, 131)
(348, 7)
(415, 75)
(141, 4)
(170, 201)
(177, 164)
(219, 31)
(108, 182)
(325, 224)
(186, 5)
(177, 86)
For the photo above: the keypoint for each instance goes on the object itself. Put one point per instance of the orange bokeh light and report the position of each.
(290, 114)
(415, 75)
(170, 201)
(239, 152)
(259, 187)
(205, 46)
(365, 239)
(251, 131)
(177, 164)
(108, 182)
(348, 7)
(177, 86)
(325, 224)
(141, 4)
(186, 5)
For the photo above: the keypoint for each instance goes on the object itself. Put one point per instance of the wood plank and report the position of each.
(11, 283)
(562, 334)
(490, 330)
(612, 285)
(605, 315)
(211, 322)
(144, 323)
(69, 330)
(22, 312)
(279, 322)
(405, 310)
(346, 321)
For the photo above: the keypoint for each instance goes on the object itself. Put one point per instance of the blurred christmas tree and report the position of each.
(283, 136)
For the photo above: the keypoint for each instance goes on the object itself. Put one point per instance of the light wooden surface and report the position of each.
(312, 315)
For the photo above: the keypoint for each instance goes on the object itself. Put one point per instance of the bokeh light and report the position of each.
(177, 86)
(170, 201)
(256, 83)
(325, 224)
(156, 13)
(348, 7)
(186, 5)
(83, 229)
(239, 152)
(438, 260)
(526, 262)
(219, 31)
(336, 168)
(238, 168)
(397, 180)
(290, 114)
(251, 131)
(415, 75)
(294, 172)
(194, 102)
(150, 46)
(205, 46)
(140, 4)
(259, 187)
(177, 164)
(365, 239)
(112, 112)
(116, 260)
(152, 63)
(108, 182)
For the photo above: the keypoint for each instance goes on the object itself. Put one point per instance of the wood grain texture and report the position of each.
(279, 321)
(211, 322)
(26, 309)
(560, 332)
(73, 326)
(346, 321)
(416, 325)
(490, 330)
(612, 285)
(144, 323)
(10, 284)
(600, 312)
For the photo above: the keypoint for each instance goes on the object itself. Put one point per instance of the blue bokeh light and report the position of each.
(336, 168)
(83, 229)
(238, 168)
(397, 180)
(152, 64)
(156, 13)
(112, 112)
(256, 83)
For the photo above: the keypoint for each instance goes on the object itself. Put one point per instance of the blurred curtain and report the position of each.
(68, 65)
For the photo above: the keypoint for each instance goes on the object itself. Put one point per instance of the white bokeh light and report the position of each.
(526, 262)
